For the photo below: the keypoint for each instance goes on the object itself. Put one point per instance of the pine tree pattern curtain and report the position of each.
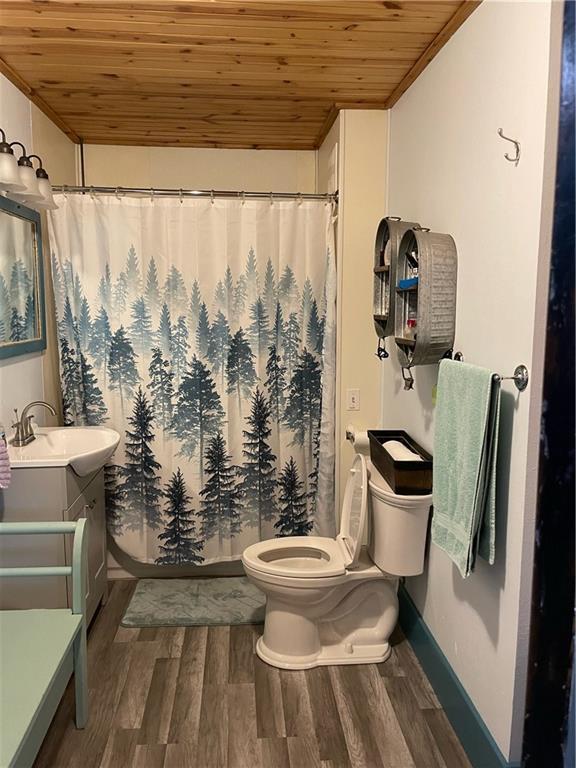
(204, 333)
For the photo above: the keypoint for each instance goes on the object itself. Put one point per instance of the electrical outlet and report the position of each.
(353, 399)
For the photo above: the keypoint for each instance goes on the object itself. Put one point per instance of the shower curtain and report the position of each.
(203, 331)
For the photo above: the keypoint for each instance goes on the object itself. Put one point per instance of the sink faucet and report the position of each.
(24, 433)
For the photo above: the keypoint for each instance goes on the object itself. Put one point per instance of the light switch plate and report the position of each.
(353, 399)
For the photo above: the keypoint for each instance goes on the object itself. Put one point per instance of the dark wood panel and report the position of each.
(327, 723)
(217, 656)
(269, 708)
(213, 728)
(241, 661)
(198, 697)
(449, 746)
(243, 746)
(298, 717)
(413, 723)
(275, 753)
(158, 711)
(188, 695)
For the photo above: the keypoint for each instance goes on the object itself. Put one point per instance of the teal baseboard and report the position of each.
(479, 745)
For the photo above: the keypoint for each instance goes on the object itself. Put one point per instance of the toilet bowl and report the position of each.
(332, 601)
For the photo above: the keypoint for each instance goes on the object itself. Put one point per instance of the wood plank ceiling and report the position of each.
(226, 73)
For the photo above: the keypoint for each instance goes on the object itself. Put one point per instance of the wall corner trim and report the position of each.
(477, 741)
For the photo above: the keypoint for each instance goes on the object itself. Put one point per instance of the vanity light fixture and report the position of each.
(20, 180)
(9, 171)
(44, 187)
(31, 192)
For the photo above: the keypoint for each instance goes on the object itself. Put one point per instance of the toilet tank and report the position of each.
(397, 528)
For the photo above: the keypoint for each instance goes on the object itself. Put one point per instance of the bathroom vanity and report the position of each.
(42, 494)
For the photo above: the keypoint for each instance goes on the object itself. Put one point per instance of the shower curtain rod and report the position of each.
(212, 193)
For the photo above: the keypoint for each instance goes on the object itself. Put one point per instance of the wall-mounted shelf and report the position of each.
(425, 312)
(411, 343)
(388, 237)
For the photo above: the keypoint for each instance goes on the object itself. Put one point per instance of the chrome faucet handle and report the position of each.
(18, 437)
(27, 426)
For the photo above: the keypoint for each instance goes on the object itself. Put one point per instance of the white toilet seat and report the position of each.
(303, 557)
(315, 557)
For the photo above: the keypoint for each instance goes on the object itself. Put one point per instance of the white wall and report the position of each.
(447, 171)
(22, 378)
(233, 169)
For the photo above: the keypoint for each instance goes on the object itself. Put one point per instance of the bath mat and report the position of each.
(190, 602)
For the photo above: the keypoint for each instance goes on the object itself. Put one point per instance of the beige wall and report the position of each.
(448, 172)
(360, 137)
(54, 147)
(233, 169)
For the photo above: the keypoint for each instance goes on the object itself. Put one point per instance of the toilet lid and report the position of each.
(354, 510)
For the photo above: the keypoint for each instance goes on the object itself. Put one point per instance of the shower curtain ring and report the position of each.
(299, 198)
(180, 196)
(243, 197)
(92, 192)
(212, 196)
(117, 193)
(271, 198)
(151, 195)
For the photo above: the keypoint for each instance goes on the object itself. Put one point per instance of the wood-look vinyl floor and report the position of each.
(199, 696)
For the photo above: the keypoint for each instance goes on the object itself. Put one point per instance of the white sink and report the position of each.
(85, 449)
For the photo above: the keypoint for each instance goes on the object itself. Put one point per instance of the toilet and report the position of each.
(333, 601)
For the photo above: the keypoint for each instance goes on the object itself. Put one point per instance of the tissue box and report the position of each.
(406, 478)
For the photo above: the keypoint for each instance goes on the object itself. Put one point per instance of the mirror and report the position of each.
(22, 318)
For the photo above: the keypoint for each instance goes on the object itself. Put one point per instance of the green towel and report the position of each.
(464, 475)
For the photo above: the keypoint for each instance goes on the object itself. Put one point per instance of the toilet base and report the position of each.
(328, 655)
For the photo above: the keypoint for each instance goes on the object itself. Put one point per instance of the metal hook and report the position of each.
(516, 159)
(407, 378)
(381, 352)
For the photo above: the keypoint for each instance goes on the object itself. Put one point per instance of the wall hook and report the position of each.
(516, 159)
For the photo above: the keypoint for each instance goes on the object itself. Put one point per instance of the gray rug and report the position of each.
(189, 602)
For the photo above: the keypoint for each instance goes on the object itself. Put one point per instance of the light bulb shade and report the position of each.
(9, 173)
(45, 188)
(30, 182)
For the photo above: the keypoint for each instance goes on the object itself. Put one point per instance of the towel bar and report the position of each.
(520, 378)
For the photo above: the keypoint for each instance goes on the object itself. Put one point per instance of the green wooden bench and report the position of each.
(39, 650)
